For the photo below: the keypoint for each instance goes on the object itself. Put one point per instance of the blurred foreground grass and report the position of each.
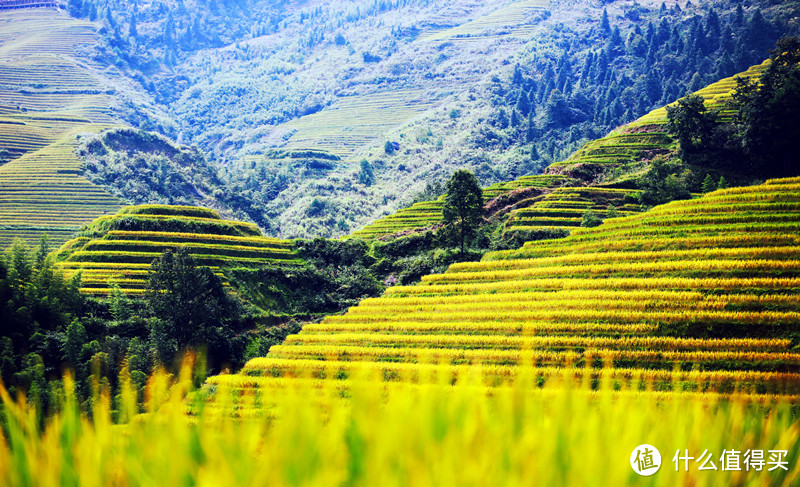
(366, 432)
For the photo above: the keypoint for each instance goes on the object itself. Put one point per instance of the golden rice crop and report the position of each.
(540, 342)
(729, 240)
(607, 296)
(587, 315)
(642, 358)
(656, 256)
(479, 328)
(688, 283)
(718, 266)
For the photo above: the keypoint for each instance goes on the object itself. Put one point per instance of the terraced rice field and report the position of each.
(697, 296)
(362, 120)
(427, 214)
(48, 95)
(118, 249)
(514, 19)
(646, 137)
(562, 207)
(629, 147)
(717, 96)
(565, 207)
(355, 121)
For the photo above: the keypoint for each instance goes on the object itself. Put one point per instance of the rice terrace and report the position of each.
(400, 242)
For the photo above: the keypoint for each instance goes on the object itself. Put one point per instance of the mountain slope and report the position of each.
(586, 181)
(687, 297)
(48, 95)
(502, 87)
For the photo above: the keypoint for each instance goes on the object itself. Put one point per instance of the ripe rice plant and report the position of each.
(323, 432)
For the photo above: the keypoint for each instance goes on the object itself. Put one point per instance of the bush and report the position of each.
(662, 183)
(591, 219)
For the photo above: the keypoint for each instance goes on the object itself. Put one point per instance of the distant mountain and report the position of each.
(501, 87)
(605, 177)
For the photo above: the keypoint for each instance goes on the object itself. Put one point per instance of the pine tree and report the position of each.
(367, 175)
(132, 32)
(709, 184)
(169, 30)
(605, 24)
(530, 133)
(523, 105)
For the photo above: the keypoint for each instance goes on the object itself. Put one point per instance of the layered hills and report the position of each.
(396, 85)
(601, 177)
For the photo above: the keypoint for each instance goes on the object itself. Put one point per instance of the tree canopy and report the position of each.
(769, 109)
(463, 204)
(191, 306)
(691, 122)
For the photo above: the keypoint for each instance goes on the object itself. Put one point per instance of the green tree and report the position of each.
(388, 147)
(523, 104)
(432, 191)
(769, 109)
(119, 304)
(709, 184)
(191, 306)
(463, 204)
(8, 366)
(591, 219)
(691, 123)
(133, 33)
(662, 183)
(20, 267)
(367, 174)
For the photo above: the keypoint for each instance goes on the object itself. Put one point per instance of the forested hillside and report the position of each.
(392, 91)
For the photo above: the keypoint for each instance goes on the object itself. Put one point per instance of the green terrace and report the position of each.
(646, 137)
(565, 208)
(513, 20)
(354, 121)
(118, 249)
(625, 150)
(427, 214)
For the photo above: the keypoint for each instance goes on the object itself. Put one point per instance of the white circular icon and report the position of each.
(645, 460)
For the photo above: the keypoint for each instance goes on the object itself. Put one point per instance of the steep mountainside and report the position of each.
(690, 296)
(318, 113)
(603, 177)
(416, 89)
(48, 95)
